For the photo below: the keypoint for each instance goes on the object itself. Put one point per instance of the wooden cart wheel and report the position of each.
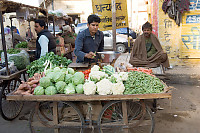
(69, 117)
(10, 109)
(140, 118)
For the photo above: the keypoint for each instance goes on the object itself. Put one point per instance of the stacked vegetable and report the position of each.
(142, 83)
(60, 80)
(105, 81)
(27, 88)
(22, 45)
(49, 61)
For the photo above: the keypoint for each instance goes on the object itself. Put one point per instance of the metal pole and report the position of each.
(4, 42)
(53, 19)
(128, 40)
(114, 24)
(30, 29)
(12, 31)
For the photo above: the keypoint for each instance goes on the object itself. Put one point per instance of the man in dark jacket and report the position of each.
(45, 41)
(89, 41)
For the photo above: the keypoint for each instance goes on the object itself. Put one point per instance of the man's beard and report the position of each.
(146, 34)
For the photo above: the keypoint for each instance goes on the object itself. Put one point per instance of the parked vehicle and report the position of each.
(124, 31)
(121, 41)
(57, 30)
(80, 27)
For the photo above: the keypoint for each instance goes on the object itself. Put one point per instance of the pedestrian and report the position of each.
(16, 37)
(89, 41)
(45, 41)
(147, 50)
(29, 34)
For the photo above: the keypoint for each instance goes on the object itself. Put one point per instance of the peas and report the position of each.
(141, 83)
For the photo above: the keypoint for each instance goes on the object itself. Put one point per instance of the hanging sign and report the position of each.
(103, 9)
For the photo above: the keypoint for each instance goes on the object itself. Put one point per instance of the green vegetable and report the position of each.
(38, 67)
(56, 69)
(39, 90)
(51, 90)
(70, 71)
(78, 78)
(45, 82)
(22, 45)
(50, 75)
(109, 69)
(68, 78)
(20, 60)
(13, 51)
(69, 89)
(113, 79)
(58, 76)
(48, 71)
(79, 88)
(141, 83)
(60, 85)
(64, 70)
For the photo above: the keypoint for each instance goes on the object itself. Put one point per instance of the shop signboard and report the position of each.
(190, 35)
(103, 8)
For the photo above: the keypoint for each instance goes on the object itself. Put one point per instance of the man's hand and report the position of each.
(90, 55)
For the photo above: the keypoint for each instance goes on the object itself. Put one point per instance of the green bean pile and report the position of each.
(141, 83)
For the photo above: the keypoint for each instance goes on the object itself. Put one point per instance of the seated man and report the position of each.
(147, 50)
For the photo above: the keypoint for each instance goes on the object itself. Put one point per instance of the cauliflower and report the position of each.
(104, 87)
(118, 88)
(95, 68)
(121, 76)
(97, 76)
(89, 88)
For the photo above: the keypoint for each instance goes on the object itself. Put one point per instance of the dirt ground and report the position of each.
(181, 113)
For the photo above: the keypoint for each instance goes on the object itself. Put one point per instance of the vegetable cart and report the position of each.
(120, 113)
(10, 109)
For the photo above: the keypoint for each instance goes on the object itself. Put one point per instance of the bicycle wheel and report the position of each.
(10, 109)
(140, 118)
(70, 118)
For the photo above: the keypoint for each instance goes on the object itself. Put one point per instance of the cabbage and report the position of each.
(71, 85)
(51, 90)
(60, 85)
(69, 89)
(39, 90)
(78, 78)
(70, 70)
(79, 88)
(58, 76)
(48, 71)
(56, 69)
(45, 82)
(68, 78)
(64, 70)
(50, 75)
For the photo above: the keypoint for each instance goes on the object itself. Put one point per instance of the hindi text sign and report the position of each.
(103, 9)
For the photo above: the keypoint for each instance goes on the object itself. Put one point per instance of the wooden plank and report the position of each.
(83, 97)
(55, 116)
(9, 77)
(72, 65)
(124, 108)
